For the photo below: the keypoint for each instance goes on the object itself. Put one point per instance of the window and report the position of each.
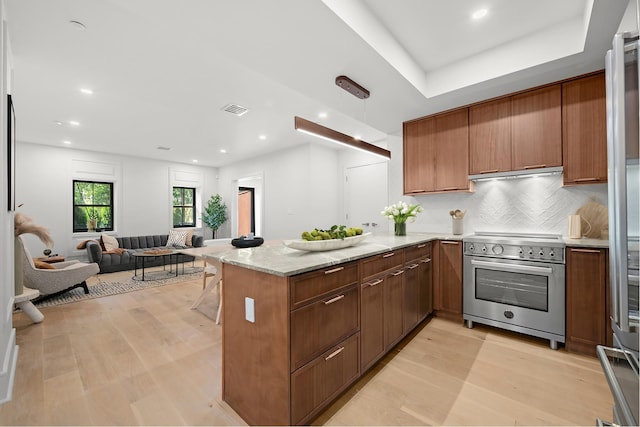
(184, 207)
(92, 206)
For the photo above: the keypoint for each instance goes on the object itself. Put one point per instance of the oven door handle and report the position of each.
(513, 267)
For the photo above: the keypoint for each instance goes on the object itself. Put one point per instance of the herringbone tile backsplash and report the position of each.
(525, 205)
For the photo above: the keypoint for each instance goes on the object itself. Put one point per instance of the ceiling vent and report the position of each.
(238, 110)
(164, 148)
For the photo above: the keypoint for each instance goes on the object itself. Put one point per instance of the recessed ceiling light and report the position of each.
(59, 123)
(66, 142)
(322, 115)
(223, 151)
(479, 14)
(74, 123)
(194, 161)
(77, 25)
(86, 91)
(262, 137)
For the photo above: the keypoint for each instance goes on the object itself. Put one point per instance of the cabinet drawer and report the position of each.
(319, 283)
(379, 263)
(417, 251)
(321, 380)
(316, 327)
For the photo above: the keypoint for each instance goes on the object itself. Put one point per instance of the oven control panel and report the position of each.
(518, 251)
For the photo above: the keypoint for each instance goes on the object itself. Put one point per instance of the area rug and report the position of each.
(104, 289)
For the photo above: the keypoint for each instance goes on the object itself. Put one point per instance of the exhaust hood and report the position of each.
(516, 174)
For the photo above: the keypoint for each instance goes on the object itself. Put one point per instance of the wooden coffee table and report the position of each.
(152, 254)
(50, 259)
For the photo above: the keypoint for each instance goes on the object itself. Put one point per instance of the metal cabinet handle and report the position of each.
(334, 270)
(422, 245)
(388, 255)
(397, 273)
(375, 282)
(412, 266)
(449, 242)
(426, 260)
(334, 299)
(534, 166)
(587, 251)
(334, 354)
(489, 171)
(586, 179)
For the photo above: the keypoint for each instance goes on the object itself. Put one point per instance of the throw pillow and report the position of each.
(176, 238)
(109, 242)
(188, 241)
(43, 265)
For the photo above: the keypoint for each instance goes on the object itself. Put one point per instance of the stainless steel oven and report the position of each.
(516, 282)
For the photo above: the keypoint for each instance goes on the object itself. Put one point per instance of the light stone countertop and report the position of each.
(277, 259)
(586, 242)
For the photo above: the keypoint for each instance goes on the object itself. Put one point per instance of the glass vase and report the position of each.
(400, 229)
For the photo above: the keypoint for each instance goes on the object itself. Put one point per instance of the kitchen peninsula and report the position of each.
(300, 327)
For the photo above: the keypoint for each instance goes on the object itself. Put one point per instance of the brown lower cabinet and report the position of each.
(448, 281)
(313, 334)
(587, 317)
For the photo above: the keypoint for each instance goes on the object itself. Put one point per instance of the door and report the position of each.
(366, 195)
(246, 211)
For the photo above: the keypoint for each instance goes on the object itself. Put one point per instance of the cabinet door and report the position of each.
(490, 137)
(450, 276)
(411, 314)
(586, 300)
(393, 307)
(536, 128)
(584, 130)
(418, 156)
(321, 380)
(452, 150)
(332, 319)
(426, 288)
(371, 322)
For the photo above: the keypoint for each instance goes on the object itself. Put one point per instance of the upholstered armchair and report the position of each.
(62, 278)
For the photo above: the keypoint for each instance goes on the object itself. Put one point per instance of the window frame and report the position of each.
(184, 206)
(74, 205)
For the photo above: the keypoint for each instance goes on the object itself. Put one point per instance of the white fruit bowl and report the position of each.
(325, 245)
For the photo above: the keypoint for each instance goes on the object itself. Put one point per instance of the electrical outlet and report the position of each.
(249, 309)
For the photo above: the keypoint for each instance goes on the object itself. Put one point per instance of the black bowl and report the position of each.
(241, 242)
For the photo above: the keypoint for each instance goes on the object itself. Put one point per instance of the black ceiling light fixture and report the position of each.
(352, 87)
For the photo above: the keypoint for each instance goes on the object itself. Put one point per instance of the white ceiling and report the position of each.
(162, 70)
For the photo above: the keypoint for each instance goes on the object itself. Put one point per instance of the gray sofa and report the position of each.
(110, 262)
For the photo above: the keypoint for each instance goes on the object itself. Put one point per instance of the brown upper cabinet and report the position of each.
(584, 130)
(536, 128)
(490, 137)
(436, 154)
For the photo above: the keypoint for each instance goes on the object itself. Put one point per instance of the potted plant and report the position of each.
(215, 214)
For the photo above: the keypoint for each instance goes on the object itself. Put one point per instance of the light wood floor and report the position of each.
(145, 358)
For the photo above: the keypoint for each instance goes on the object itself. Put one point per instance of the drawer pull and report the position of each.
(375, 282)
(585, 179)
(388, 255)
(449, 188)
(448, 242)
(334, 299)
(334, 270)
(334, 354)
(534, 167)
(397, 273)
(422, 245)
(588, 251)
(426, 260)
(412, 266)
(489, 171)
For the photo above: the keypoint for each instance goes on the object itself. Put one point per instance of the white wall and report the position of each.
(142, 192)
(534, 205)
(8, 347)
(299, 190)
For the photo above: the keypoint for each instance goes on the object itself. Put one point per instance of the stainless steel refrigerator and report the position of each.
(620, 364)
